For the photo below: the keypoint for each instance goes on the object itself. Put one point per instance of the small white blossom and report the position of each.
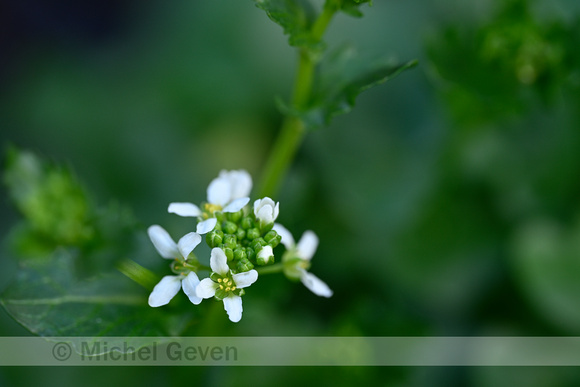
(266, 210)
(229, 192)
(228, 286)
(169, 285)
(297, 260)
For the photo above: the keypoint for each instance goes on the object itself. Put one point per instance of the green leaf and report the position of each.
(50, 300)
(521, 60)
(295, 17)
(71, 283)
(341, 77)
(351, 7)
(56, 207)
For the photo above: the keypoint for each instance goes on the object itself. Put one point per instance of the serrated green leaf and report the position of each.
(351, 7)
(295, 17)
(73, 286)
(49, 300)
(52, 300)
(341, 77)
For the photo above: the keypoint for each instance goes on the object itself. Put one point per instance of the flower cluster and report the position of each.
(242, 241)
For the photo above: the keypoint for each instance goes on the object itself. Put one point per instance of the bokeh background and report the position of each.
(447, 203)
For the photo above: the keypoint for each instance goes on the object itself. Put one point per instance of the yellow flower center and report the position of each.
(211, 208)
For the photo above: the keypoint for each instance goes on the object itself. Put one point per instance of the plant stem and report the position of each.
(293, 128)
(138, 273)
(275, 268)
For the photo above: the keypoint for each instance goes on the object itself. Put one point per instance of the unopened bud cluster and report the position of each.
(244, 241)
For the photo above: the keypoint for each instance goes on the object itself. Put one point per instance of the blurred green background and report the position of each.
(447, 203)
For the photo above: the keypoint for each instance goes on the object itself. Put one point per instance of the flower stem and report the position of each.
(293, 128)
(275, 268)
(138, 273)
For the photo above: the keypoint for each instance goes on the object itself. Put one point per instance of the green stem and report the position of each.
(275, 268)
(281, 155)
(138, 273)
(293, 128)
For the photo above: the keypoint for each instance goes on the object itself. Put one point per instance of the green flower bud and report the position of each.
(276, 241)
(244, 265)
(235, 216)
(214, 238)
(247, 223)
(230, 241)
(229, 227)
(270, 235)
(240, 254)
(257, 244)
(253, 233)
(251, 253)
(240, 234)
(229, 253)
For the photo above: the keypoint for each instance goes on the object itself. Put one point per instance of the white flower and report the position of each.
(229, 192)
(297, 260)
(228, 286)
(169, 285)
(266, 210)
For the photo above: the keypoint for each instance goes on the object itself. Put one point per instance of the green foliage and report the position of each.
(295, 17)
(498, 69)
(49, 299)
(67, 250)
(351, 7)
(55, 206)
(341, 77)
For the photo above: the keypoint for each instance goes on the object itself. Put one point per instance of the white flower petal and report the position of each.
(315, 284)
(189, 284)
(206, 226)
(287, 238)
(206, 288)
(236, 205)
(184, 209)
(243, 280)
(219, 191)
(219, 262)
(233, 306)
(187, 243)
(265, 214)
(240, 181)
(266, 210)
(164, 244)
(307, 245)
(165, 290)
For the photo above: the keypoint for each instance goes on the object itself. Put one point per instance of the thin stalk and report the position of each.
(275, 268)
(293, 129)
(138, 273)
